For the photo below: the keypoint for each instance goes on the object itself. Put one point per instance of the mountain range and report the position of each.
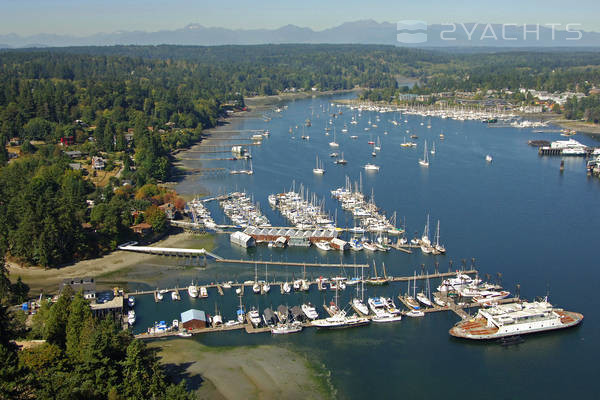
(357, 32)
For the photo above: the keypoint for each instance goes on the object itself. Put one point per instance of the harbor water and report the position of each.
(518, 216)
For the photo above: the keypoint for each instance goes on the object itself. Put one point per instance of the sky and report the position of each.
(85, 17)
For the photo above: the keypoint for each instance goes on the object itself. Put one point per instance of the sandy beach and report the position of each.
(257, 372)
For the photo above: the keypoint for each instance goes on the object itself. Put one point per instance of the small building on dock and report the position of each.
(194, 319)
(112, 308)
(242, 239)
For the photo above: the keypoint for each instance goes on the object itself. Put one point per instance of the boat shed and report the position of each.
(297, 314)
(269, 317)
(194, 319)
(242, 239)
(293, 235)
(339, 244)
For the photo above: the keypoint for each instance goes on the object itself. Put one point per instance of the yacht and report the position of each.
(461, 280)
(193, 290)
(310, 311)
(490, 296)
(371, 167)
(515, 319)
(359, 306)
(254, 317)
(415, 313)
(323, 246)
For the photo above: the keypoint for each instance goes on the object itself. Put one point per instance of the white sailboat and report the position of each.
(334, 143)
(433, 149)
(425, 160)
(438, 247)
(318, 170)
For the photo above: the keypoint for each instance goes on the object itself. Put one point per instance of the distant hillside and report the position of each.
(357, 32)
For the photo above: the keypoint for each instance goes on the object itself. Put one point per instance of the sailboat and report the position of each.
(425, 297)
(377, 280)
(265, 286)
(378, 146)
(334, 143)
(256, 285)
(318, 170)
(410, 300)
(358, 304)
(433, 149)
(425, 160)
(438, 247)
(341, 160)
(425, 238)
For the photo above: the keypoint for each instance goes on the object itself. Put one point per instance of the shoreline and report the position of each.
(262, 372)
(106, 270)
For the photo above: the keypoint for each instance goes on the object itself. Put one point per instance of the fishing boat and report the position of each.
(310, 311)
(515, 319)
(424, 162)
(284, 329)
(318, 170)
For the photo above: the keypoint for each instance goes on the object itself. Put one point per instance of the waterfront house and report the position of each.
(86, 285)
(194, 319)
(142, 228)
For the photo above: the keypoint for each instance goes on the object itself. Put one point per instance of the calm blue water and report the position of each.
(518, 216)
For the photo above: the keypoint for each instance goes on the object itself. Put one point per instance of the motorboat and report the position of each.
(131, 317)
(131, 301)
(203, 292)
(287, 288)
(415, 313)
(193, 290)
(175, 295)
(323, 246)
(371, 167)
(310, 311)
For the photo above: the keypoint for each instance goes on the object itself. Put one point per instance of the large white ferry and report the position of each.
(515, 319)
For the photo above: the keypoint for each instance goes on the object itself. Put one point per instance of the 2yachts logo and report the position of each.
(411, 32)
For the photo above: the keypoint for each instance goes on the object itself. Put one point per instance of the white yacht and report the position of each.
(310, 311)
(371, 167)
(515, 319)
(323, 246)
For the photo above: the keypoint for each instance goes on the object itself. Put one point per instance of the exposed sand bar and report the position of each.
(261, 372)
